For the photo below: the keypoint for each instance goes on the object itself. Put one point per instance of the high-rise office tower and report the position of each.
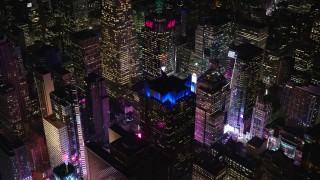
(57, 140)
(63, 112)
(44, 85)
(303, 55)
(169, 121)
(261, 115)
(213, 37)
(97, 104)
(303, 106)
(315, 31)
(212, 94)
(158, 46)
(12, 72)
(85, 55)
(14, 160)
(252, 32)
(119, 46)
(10, 113)
(74, 14)
(66, 107)
(246, 60)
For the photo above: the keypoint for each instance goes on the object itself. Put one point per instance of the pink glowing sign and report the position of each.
(171, 24)
(65, 157)
(149, 24)
(162, 124)
(73, 158)
(139, 135)
(83, 100)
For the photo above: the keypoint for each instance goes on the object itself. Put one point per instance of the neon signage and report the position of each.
(149, 24)
(171, 24)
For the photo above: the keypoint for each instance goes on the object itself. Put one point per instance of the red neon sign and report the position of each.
(149, 24)
(171, 24)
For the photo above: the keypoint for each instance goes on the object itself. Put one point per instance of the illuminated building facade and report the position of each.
(119, 46)
(169, 124)
(260, 116)
(241, 168)
(74, 14)
(212, 40)
(85, 55)
(315, 32)
(158, 46)
(57, 140)
(303, 107)
(44, 85)
(14, 160)
(12, 72)
(63, 112)
(10, 112)
(303, 55)
(212, 95)
(66, 107)
(205, 166)
(246, 59)
(252, 32)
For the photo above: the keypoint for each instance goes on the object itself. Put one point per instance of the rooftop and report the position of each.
(246, 51)
(166, 84)
(212, 81)
(8, 147)
(60, 69)
(208, 163)
(129, 145)
(107, 158)
(256, 142)
(62, 172)
(254, 24)
(84, 35)
(54, 122)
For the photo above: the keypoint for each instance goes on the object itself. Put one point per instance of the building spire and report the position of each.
(159, 6)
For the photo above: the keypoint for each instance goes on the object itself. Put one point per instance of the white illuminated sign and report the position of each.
(194, 78)
(231, 54)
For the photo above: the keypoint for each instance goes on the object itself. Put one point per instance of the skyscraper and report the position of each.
(74, 14)
(57, 140)
(246, 59)
(119, 46)
(213, 37)
(97, 104)
(252, 32)
(12, 72)
(14, 160)
(303, 107)
(212, 94)
(85, 55)
(66, 107)
(169, 124)
(10, 113)
(158, 46)
(44, 85)
(260, 116)
(303, 55)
